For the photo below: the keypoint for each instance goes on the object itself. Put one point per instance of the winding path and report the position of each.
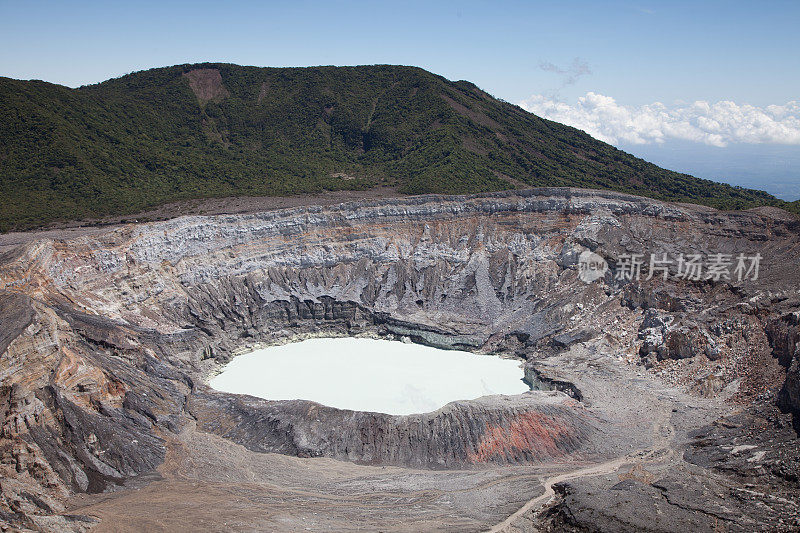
(663, 432)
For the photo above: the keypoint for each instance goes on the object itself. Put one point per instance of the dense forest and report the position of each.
(211, 130)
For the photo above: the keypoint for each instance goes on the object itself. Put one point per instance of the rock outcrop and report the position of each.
(784, 336)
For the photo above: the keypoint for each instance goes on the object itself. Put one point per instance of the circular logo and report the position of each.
(591, 266)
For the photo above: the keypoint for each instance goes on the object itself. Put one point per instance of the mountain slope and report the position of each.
(208, 130)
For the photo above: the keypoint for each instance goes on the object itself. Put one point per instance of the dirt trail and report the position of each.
(663, 433)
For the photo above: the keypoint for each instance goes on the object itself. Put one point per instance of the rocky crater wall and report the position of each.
(107, 339)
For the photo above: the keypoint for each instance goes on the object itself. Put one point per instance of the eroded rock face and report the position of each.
(784, 336)
(107, 339)
(492, 430)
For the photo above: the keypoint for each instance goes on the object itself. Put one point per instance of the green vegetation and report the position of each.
(151, 137)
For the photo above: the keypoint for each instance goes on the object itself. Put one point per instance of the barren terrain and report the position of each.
(657, 405)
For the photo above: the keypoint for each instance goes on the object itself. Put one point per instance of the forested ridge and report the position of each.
(213, 130)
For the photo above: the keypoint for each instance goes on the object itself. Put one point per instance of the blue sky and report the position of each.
(635, 52)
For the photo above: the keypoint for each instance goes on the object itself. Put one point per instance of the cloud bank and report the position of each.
(716, 124)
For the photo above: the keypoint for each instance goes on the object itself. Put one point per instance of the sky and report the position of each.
(647, 76)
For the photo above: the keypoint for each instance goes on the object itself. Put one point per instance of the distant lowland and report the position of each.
(220, 130)
(774, 168)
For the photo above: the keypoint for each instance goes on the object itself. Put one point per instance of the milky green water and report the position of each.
(369, 375)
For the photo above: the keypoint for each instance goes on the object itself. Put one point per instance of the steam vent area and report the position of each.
(469, 363)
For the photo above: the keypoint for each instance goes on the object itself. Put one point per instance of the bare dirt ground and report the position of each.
(210, 483)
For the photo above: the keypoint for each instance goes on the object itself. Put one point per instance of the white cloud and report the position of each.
(716, 124)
